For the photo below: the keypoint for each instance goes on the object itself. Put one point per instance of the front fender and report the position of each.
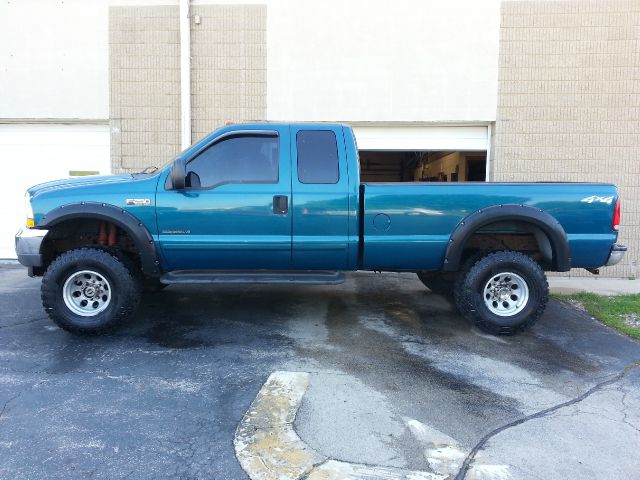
(109, 213)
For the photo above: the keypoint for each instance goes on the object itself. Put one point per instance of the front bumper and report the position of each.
(616, 254)
(28, 243)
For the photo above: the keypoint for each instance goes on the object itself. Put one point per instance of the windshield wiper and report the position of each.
(147, 170)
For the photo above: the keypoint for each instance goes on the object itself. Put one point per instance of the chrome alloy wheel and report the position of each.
(86, 293)
(506, 294)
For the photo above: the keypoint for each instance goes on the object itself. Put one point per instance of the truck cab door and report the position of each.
(320, 198)
(234, 212)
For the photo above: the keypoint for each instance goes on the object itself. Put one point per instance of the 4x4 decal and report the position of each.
(596, 198)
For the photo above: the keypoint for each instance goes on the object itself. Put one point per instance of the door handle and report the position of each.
(280, 204)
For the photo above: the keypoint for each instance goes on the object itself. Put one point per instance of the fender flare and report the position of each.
(116, 215)
(497, 213)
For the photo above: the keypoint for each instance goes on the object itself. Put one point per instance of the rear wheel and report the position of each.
(502, 292)
(88, 291)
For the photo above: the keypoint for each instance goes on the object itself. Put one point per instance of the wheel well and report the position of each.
(516, 235)
(87, 232)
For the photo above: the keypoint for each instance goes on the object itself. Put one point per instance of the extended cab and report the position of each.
(284, 203)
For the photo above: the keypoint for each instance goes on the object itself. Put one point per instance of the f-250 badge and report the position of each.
(138, 201)
(596, 198)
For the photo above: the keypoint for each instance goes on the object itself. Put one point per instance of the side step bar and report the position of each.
(310, 277)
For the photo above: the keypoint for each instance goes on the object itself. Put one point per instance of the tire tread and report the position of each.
(49, 291)
(478, 265)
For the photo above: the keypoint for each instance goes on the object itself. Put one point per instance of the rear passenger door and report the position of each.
(320, 200)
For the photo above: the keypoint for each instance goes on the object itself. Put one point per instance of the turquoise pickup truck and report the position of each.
(283, 203)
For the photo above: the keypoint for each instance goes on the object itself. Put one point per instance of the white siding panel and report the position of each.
(33, 154)
(54, 59)
(407, 60)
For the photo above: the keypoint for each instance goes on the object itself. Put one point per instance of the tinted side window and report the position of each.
(317, 156)
(241, 159)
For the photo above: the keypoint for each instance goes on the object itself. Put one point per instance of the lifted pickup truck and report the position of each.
(283, 203)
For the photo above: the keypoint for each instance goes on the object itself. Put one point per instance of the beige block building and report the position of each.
(446, 90)
(569, 101)
(228, 77)
(144, 54)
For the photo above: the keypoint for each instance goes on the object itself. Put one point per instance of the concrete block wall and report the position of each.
(228, 77)
(569, 101)
(229, 65)
(144, 58)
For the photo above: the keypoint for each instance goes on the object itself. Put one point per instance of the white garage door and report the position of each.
(422, 138)
(36, 153)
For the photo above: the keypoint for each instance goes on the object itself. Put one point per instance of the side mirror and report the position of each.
(178, 174)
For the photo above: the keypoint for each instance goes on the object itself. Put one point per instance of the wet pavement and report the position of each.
(392, 368)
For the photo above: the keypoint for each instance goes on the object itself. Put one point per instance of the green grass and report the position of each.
(621, 312)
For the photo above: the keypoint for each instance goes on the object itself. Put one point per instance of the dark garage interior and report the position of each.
(422, 166)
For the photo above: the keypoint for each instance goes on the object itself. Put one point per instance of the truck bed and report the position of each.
(407, 226)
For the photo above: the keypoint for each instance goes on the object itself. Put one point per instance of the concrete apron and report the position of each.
(268, 448)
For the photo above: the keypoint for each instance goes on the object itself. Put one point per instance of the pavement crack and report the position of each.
(305, 475)
(6, 404)
(625, 415)
(542, 413)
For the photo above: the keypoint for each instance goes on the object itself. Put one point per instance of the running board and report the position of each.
(310, 277)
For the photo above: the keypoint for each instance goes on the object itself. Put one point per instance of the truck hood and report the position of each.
(78, 182)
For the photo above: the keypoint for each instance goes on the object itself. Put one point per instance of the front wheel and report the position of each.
(502, 292)
(88, 291)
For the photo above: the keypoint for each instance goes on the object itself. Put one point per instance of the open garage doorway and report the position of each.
(423, 153)
(422, 166)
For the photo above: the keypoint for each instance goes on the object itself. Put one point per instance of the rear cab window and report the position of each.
(317, 157)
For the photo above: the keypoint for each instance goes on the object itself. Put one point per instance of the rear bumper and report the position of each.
(28, 242)
(616, 254)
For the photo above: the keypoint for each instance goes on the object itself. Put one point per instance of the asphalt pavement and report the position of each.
(394, 379)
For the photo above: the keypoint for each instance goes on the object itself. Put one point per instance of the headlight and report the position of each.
(29, 210)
